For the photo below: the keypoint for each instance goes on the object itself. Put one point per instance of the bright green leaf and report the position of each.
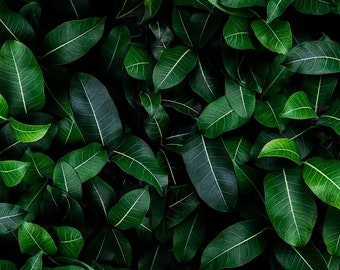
(13, 171)
(28, 133)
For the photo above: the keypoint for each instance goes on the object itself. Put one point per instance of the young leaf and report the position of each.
(276, 8)
(71, 40)
(314, 57)
(173, 66)
(28, 133)
(331, 118)
(331, 231)
(138, 62)
(130, 209)
(323, 179)
(87, 161)
(94, 110)
(218, 117)
(282, 147)
(35, 262)
(298, 107)
(21, 78)
(12, 216)
(13, 171)
(33, 238)
(135, 157)
(241, 242)
(68, 240)
(290, 206)
(276, 36)
(213, 179)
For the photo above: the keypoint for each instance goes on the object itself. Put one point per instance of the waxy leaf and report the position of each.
(21, 78)
(138, 62)
(238, 33)
(122, 248)
(213, 179)
(331, 231)
(28, 133)
(35, 262)
(314, 57)
(173, 66)
(13, 171)
(87, 161)
(298, 107)
(8, 265)
(136, 158)
(68, 240)
(181, 25)
(219, 117)
(276, 8)
(185, 104)
(94, 110)
(314, 7)
(3, 109)
(276, 36)
(331, 118)
(33, 238)
(323, 178)
(12, 216)
(238, 148)
(71, 40)
(151, 9)
(241, 243)
(130, 209)
(290, 206)
(281, 147)
(241, 3)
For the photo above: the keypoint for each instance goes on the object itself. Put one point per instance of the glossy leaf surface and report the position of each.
(12, 216)
(13, 171)
(28, 133)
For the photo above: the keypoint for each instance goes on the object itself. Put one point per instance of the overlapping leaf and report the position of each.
(331, 118)
(331, 231)
(12, 171)
(314, 7)
(68, 240)
(138, 62)
(276, 8)
(12, 216)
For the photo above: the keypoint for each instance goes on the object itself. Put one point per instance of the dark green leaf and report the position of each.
(242, 3)
(238, 148)
(122, 248)
(276, 8)
(12, 216)
(68, 240)
(181, 25)
(331, 231)
(138, 62)
(35, 262)
(331, 118)
(151, 9)
(8, 265)
(314, 7)
(3, 109)
(183, 103)
(164, 38)
(28, 133)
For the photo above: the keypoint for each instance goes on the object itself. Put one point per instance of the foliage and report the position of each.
(175, 134)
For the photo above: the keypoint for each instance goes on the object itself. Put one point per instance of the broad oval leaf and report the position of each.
(138, 62)
(323, 178)
(71, 40)
(130, 209)
(21, 78)
(276, 36)
(13, 171)
(314, 57)
(87, 161)
(173, 66)
(298, 107)
(213, 179)
(290, 206)
(35, 262)
(68, 240)
(276, 8)
(28, 133)
(331, 231)
(151, 9)
(136, 158)
(281, 147)
(219, 117)
(238, 33)
(94, 110)
(331, 118)
(12, 216)
(33, 238)
(314, 7)
(241, 243)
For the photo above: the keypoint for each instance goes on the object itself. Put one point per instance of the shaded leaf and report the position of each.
(138, 62)
(12, 216)
(331, 231)
(238, 148)
(185, 104)
(181, 25)
(331, 118)
(164, 38)
(13, 171)
(3, 109)
(122, 248)
(68, 240)
(151, 9)
(242, 3)
(314, 7)
(35, 262)
(276, 8)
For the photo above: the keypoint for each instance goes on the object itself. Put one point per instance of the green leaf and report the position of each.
(28, 133)
(298, 107)
(14, 26)
(164, 38)
(66, 178)
(238, 148)
(173, 66)
(219, 117)
(13, 171)
(151, 9)
(238, 33)
(181, 25)
(331, 118)
(8, 265)
(241, 3)
(94, 110)
(282, 147)
(188, 237)
(241, 242)
(268, 112)
(21, 78)
(68, 132)
(323, 179)
(331, 231)
(33, 238)
(71, 40)
(290, 206)
(68, 240)
(130, 209)
(276, 8)
(113, 51)
(35, 262)
(314, 57)
(12, 216)
(122, 248)
(213, 180)
(3, 109)
(87, 161)
(314, 7)
(304, 258)
(136, 158)
(276, 36)
(185, 104)
(138, 62)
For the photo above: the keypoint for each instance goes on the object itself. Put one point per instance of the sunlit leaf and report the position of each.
(28, 133)
(13, 171)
